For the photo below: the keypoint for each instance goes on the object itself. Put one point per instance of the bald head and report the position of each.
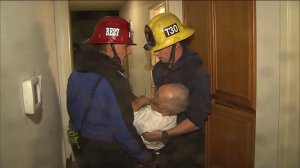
(174, 97)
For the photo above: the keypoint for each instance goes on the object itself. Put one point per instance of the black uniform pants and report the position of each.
(99, 154)
(183, 151)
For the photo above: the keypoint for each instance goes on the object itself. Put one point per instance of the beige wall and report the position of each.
(64, 60)
(289, 113)
(277, 114)
(267, 84)
(139, 60)
(28, 48)
(290, 70)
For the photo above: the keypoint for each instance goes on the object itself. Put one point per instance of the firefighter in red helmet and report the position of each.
(99, 101)
(116, 32)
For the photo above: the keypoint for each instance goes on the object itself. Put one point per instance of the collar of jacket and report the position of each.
(89, 61)
(187, 54)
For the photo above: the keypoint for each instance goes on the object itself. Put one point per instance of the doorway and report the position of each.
(82, 27)
(154, 10)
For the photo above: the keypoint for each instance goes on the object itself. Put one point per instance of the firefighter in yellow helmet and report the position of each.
(165, 36)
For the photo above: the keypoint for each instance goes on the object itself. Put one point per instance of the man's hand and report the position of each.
(153, 136)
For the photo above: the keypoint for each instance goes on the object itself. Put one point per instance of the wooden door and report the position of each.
(225, 38)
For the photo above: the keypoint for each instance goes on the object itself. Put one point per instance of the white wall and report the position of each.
(277, 110)
(28, 48)
(64, 60)
(175, 7)
(267, 107)
(139, 60)
(289, 125)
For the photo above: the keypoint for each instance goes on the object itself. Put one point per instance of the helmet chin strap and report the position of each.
(166, 72)
(172, 56)
(115, 58)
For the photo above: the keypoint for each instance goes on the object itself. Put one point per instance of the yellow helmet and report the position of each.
(164, 30)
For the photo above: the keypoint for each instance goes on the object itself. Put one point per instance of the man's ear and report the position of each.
(177, 45)
(108, 50)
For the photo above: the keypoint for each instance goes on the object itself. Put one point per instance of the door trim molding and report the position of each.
(289, 115)
(64, 61)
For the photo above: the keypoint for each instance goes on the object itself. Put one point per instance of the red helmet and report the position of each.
(112, 29)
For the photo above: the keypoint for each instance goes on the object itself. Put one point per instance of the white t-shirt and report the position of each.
(147, 119)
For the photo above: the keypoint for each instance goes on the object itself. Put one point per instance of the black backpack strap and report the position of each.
(90, 98)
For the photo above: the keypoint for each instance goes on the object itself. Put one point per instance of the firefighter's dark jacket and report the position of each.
(110, 116)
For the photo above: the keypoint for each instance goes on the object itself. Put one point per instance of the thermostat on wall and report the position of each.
(32, 94)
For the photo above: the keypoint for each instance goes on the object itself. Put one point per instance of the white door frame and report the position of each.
(64, 60)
